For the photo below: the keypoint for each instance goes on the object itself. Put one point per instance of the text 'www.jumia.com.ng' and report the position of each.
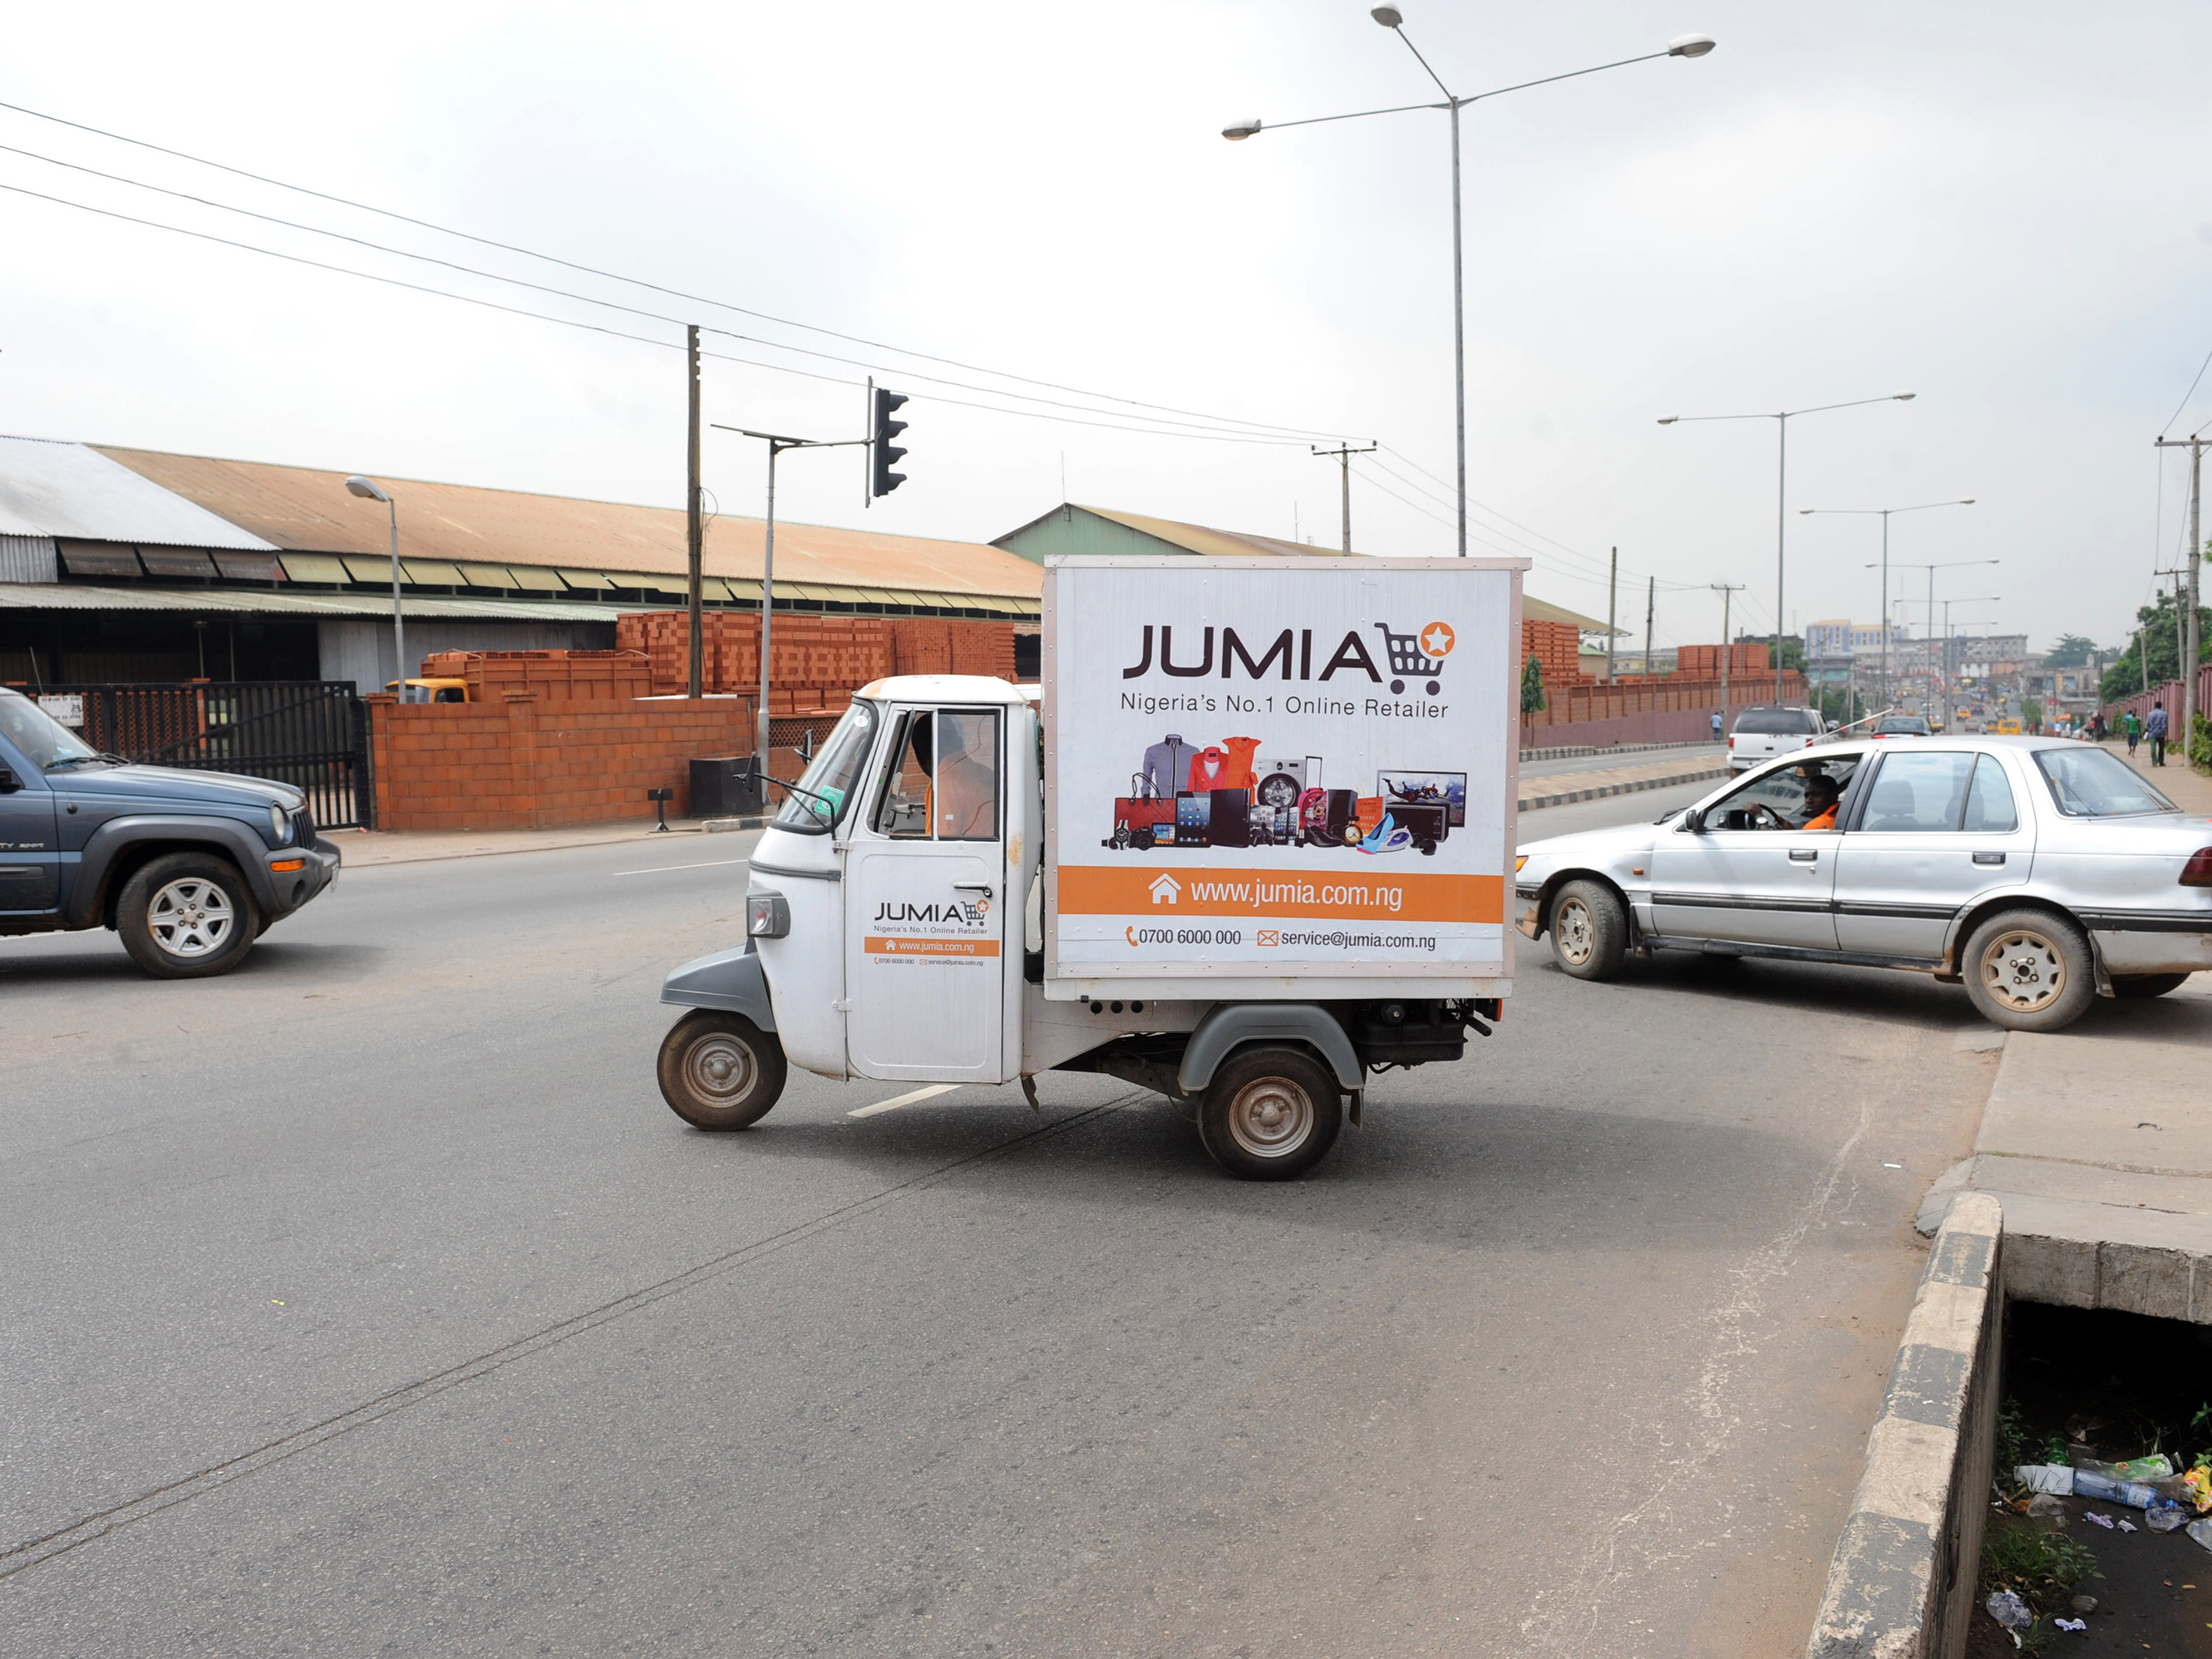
(1264, 894)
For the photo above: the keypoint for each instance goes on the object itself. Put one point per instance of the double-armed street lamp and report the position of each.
(1948, 564)
(1394, 19)
(1782, 419)
(1864, 512)
(366, 489)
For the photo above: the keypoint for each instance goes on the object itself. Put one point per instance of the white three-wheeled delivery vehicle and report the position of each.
(1247, 845)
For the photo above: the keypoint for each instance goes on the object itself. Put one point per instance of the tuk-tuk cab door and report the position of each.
(926, 904)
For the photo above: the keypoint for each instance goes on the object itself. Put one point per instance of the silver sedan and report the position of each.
(2041, 872)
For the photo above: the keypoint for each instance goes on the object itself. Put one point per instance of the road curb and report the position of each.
(1901, 1584)
(1536, 803)
(1574, 751)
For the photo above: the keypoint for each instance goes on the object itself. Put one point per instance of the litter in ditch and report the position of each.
(2101, 1494)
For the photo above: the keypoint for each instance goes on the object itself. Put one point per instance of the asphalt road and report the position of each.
(370, 1301)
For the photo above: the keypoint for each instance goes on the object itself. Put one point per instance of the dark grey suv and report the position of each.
(189, 867)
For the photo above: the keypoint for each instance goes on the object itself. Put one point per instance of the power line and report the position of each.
(616, 333)
(2186, 395)
(556, 292)
(635, 282)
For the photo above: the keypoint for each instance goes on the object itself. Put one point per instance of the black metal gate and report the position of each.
(312, 734)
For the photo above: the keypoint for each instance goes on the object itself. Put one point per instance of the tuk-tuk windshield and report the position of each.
(818, 804)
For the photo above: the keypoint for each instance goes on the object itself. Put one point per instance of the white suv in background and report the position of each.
(1761, 734)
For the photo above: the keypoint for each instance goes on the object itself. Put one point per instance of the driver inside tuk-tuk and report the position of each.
(966, 801)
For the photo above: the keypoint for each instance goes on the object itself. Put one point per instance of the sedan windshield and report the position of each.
(1901, 725)
(2089, 783)
(37, 736)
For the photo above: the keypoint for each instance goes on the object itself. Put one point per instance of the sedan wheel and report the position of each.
(2029, 970)
(1589, 930)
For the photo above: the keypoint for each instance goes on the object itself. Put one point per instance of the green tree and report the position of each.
(2031, 711)
(2072, 651)
(1532, 685)
(2156, 633)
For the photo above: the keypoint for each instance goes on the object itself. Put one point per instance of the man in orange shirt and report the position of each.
(1822, 794)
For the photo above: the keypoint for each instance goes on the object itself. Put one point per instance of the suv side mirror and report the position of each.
(9, 783)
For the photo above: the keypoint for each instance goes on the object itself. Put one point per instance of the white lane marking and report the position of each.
(893, 1104)
(656, 869)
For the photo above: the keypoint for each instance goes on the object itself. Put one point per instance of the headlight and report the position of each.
(767, 914)
(280, 824)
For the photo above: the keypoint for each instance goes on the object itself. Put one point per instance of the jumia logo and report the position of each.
(949, 911)
(1351, 655)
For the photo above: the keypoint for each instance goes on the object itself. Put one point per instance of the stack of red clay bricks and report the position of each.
(1556, 645)
(554, 676)
(1704, 661)
(820, 661)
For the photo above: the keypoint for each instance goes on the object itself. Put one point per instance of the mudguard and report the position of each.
(1231, 1025)
(730, 981)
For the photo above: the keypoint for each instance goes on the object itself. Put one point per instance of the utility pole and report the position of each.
(695, 533)
(1650, 604)
(1612, 590)
(1344, 458)
(2185, 629)
(1727, 650)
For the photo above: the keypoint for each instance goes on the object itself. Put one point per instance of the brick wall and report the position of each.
(819, 660)
(523, 761)
(1668, 709)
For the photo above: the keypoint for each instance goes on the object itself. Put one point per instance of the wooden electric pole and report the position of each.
(695, 533)
(1650, 604)
(1344, 460)
(1612, 591)
(1727, 592)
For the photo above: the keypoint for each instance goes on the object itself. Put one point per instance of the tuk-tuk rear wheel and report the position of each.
(720, 1071)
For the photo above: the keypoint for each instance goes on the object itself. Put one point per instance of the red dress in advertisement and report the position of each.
(1206, 768)
(1239, 774)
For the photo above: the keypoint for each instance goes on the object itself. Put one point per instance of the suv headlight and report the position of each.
(280, 825)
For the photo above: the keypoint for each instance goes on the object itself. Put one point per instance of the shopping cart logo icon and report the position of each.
(1417, 656)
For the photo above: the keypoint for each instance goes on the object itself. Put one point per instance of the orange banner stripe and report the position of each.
(931, 947)
(1093, 889)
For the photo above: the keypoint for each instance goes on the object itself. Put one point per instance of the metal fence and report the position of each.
(312, 734)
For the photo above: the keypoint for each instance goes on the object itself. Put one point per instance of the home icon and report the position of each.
(1166, 889)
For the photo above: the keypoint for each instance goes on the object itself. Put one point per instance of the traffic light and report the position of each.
(882, 454)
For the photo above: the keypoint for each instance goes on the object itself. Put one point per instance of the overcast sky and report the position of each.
(1993, 206)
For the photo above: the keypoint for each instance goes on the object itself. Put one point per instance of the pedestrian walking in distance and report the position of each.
(2133, 727)
(2154, 729)
(1716, 725)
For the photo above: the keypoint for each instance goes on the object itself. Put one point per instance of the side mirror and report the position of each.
(9, 783)
(1694, 821)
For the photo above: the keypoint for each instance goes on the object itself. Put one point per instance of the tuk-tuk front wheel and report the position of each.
(1271, 1113)
(720, 1071)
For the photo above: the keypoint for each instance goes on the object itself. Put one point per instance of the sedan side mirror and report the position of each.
(1694, 821)
(9, 783)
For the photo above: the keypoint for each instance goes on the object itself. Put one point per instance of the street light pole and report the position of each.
(1948, 564)
(1782, 419)
(1393, 18)
(368, 490)
(777, 444)
(1864, 512)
